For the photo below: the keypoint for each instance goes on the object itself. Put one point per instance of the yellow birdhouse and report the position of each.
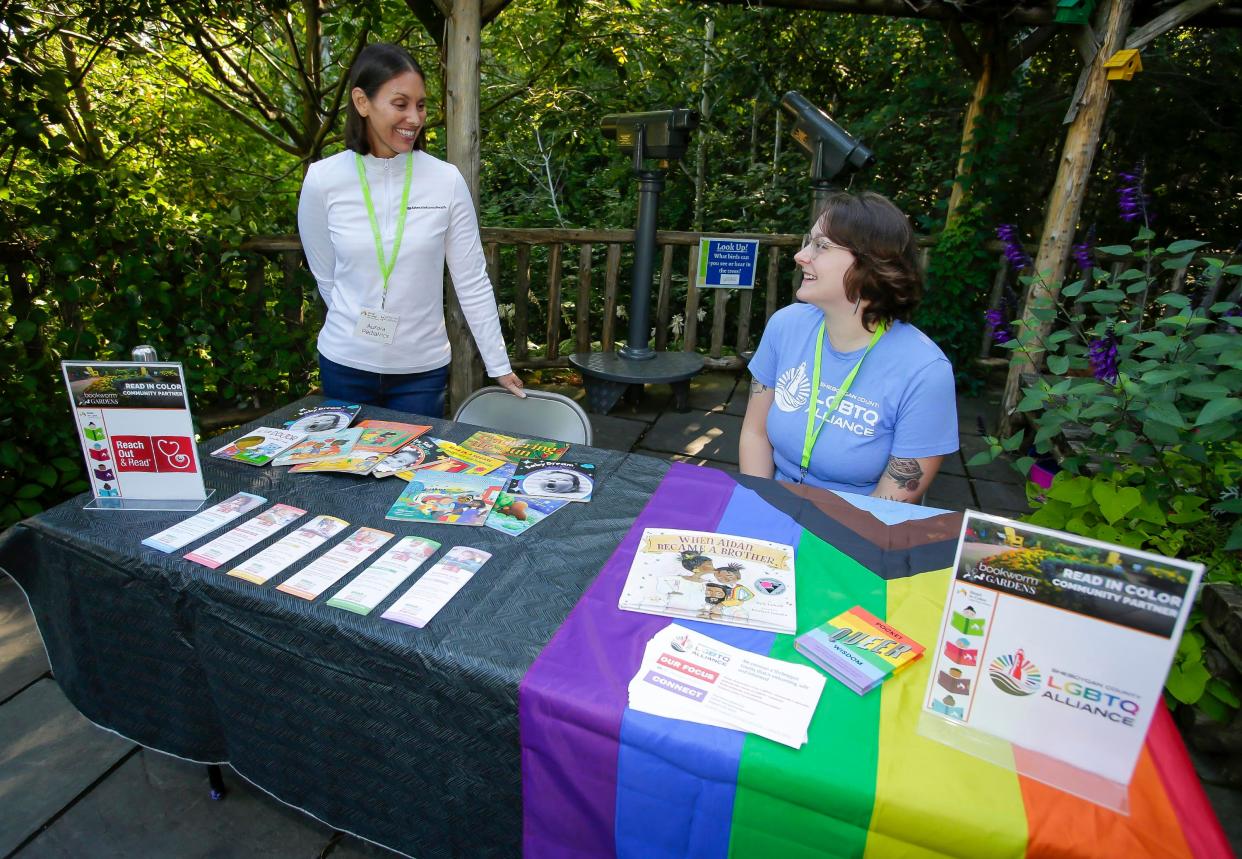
(1123, 65)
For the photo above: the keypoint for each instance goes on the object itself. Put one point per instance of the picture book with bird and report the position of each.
(717, 578)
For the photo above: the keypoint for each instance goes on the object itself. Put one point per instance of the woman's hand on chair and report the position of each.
(511, 383)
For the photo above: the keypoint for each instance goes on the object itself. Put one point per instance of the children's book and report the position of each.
(318, 446)
(516, 514)
(259, 446)
(409, 458)
(325, 417)
(513, 449)
(562, 481)
(862, 651)
(445, 456)
(449, 499)
(376, 441)
(718, 578)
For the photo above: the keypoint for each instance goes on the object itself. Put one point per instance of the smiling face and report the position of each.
(395, 116)
(824, 264)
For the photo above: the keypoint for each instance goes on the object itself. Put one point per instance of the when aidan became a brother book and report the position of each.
(716, 578)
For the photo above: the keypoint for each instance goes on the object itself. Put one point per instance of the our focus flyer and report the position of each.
(1058, 644)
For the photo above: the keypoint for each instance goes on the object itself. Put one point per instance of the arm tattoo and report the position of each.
(757, 387)
(905, 472)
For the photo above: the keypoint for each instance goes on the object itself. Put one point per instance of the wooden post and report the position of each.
(461, 109)
(1064, 206)
(972, 125)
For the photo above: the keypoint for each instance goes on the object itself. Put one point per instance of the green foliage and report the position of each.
(958, 281)
(1150, 393)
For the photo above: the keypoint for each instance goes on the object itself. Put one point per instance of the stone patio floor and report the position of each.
(70, 789)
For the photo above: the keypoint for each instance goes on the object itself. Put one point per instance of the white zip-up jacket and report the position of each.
(440, 226)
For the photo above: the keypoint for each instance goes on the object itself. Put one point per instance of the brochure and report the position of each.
(718, 578)
(858, 649)
(289, 549)
(245, 536)
(201, 524)
(564, 481)
(376, 441)
(449, 499)
(318, 446)
(689, 676)
(1058, 645)
(516, 514)
(513, 449)
(373, 585)
(417, 606)
(327, 416)
(259, 446)
(328, 569)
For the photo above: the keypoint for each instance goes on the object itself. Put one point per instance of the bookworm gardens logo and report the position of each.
(1014, 674)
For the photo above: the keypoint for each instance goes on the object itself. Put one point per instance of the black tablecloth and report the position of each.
(404, 736)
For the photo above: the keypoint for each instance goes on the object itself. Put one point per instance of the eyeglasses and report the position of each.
(820, 244)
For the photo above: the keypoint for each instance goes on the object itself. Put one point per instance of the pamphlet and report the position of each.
(718, 578)
(248, 534)
(289, 549)
(373, 585)
(858, 649)
(260, 446)
(417, 606)
(328, 416)
(449, 499)
(201, 524)
(325, 571)
(318, 446)
(563, 481)
(1057, 644)
(513, 449)
(689, 676)
(516, 514)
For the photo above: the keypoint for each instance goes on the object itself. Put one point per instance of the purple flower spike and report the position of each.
(998, 326)
(1084, 253)
(1102, 356)
(1131, 199)
(1014, 252)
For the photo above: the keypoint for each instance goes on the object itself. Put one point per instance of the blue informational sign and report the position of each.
(727, 263)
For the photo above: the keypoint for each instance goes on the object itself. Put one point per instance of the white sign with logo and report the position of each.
(1058, 645)
(133, 421)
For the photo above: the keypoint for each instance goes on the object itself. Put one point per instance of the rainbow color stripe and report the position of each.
(601, 780)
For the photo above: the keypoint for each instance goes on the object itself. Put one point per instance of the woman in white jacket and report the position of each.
(378, 222)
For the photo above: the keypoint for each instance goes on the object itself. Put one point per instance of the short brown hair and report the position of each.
(885, 273)
(376, 65)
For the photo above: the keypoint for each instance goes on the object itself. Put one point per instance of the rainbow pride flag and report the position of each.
(601, 780)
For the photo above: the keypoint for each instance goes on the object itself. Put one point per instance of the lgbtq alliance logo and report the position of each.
(1014, 674)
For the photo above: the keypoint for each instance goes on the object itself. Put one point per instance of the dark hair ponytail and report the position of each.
(376, 65)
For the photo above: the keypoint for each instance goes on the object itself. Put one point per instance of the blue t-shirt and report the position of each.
(902, 402)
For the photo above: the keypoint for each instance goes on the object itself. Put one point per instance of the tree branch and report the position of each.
(1140, 37)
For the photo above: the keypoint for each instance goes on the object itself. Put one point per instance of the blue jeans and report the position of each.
(417, 393)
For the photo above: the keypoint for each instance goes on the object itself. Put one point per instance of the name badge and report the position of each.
(376, 326)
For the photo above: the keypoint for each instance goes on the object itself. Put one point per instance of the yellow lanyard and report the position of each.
(812, 431)
(386, 265)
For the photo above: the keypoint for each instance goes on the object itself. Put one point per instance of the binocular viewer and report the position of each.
(661, 134)
(833, 151)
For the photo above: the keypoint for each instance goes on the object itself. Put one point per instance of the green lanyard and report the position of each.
(386, 266)
(812, 431)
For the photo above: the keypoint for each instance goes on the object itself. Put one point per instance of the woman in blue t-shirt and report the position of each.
(846, 394)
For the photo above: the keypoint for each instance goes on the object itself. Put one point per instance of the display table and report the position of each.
(502, 725)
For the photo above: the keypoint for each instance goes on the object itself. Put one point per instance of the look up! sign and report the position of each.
(727, 263)
(134, 424)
